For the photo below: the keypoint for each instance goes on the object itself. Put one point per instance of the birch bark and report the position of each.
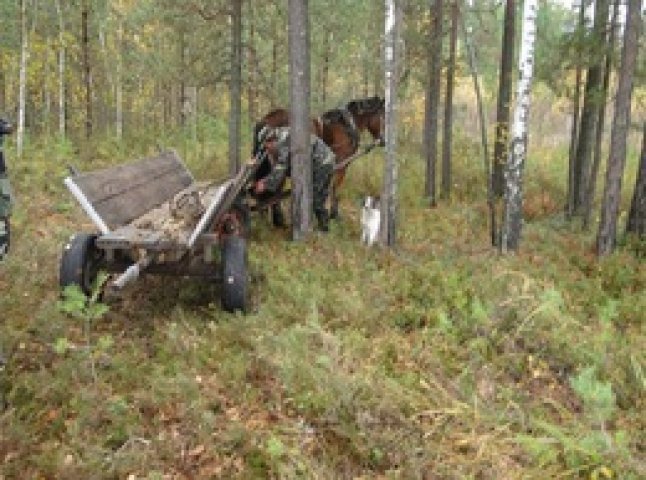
(22, 81)
(513, 207)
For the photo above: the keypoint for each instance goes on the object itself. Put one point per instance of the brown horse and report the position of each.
(340, 129)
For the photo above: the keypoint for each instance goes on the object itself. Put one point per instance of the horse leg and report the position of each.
(334, 197)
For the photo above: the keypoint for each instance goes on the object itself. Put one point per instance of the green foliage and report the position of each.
(598, 397)
(582, 452)
(275, 447)
(441, 356)
(77, 305)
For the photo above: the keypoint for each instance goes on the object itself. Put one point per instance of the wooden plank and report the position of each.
(131, 237)
(237, 183)
(125, 192)
(214, 201)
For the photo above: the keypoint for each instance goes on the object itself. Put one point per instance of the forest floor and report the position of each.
(440, 360)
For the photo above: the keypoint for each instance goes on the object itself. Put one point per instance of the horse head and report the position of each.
(369, 114)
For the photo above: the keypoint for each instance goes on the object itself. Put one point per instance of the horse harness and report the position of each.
(346, 120)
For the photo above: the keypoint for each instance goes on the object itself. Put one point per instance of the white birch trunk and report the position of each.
(513, 213)
(22, 82)
(61, 70)
(389, 196)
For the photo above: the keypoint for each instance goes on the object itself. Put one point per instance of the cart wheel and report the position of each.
(80, 262)
(234, 274)
(5, 236)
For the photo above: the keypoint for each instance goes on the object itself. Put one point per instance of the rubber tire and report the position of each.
(234, 293)
(80, 262)
(8, 244)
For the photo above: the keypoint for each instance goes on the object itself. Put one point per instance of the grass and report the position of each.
(438, 360)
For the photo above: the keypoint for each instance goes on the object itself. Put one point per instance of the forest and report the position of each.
(496, 328)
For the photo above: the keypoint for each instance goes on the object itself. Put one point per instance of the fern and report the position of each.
(598, 397)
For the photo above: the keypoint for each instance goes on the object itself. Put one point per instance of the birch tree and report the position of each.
(389, 197)
(299, 111)
(22, 82)
(513, 208)
(606, 236)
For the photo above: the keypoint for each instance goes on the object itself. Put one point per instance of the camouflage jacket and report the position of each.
(320, 155)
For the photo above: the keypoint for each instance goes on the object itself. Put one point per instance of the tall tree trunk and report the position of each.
(513, 211)
(251, 67)
(601, 120)
(106, 85)
(235, 87)
(637, 216)
(87, 69)
(589, 115)
(119, 75)
(22, 82)
(3, 86)
(299, 110)
(606, 236)
(389, 200)
(47, 101)
(501, 151)
(445, 192)
(576, 111)
(61, 69)
(433, 101)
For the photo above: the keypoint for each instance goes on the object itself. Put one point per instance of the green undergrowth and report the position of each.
(440, 359)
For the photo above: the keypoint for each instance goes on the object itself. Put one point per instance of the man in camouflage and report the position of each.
(5, 192)
(276, 143)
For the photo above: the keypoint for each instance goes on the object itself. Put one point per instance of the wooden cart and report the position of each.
(153, 217)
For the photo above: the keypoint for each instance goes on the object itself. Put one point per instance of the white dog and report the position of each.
(370, 220)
